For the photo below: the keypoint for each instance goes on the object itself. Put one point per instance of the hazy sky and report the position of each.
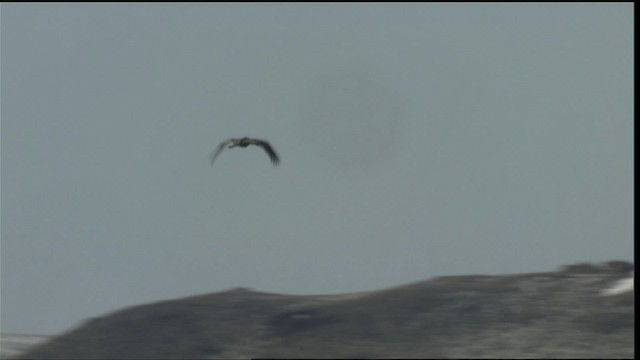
(417, 140)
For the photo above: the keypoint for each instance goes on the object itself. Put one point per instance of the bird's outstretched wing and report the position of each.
(275, 160)
(214, 154)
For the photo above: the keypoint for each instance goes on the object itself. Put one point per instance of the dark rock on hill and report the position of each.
(541, 315)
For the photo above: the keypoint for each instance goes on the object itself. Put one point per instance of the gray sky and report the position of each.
(417, 140)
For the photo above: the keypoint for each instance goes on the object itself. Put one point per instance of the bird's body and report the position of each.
(244, 142)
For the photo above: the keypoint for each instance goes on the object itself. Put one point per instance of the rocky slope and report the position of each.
(561, 314)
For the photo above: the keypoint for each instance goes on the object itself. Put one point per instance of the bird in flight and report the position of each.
(244, 142)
